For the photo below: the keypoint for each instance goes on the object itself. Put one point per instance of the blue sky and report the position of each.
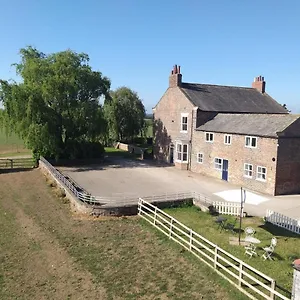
(136, 42)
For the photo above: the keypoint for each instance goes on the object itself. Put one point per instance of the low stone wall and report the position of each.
(132, 209)
(76, 205)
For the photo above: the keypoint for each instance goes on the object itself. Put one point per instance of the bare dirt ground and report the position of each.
(47, 253)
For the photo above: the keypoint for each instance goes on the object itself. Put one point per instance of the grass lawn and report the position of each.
(49, 253)
(113, 152)
(11, 145)
(149, 123)
(286, 251)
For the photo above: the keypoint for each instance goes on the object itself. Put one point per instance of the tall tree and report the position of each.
(56, 106)
(125, 114)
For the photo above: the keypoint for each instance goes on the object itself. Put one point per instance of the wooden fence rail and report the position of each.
(283, 221)
(247, 279)
(17, 163)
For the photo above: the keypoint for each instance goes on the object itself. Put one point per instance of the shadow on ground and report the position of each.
(114, 162)
(278, 231)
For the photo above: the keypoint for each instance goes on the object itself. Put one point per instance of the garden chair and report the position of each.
(269, 250)
(230, 226)
(249, 231)
(250, 250)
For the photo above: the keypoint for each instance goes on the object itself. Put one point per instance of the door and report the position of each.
(171, 154)
(225, 170)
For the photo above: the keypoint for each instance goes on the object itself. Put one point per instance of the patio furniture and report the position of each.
(220, 220)
(230, 226)
(249, 231)
(269, 250)
(251, 248)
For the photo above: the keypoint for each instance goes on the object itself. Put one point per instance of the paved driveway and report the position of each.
(138, 178)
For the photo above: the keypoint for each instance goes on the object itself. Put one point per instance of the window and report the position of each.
(250, 142)
(184, 122)
(218, 163)
(182, 152)
(200, 158)
(227, 139)
(209, 137)
(248, 170)
(261, 173)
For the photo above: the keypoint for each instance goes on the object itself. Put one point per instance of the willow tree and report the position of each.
(55, 108)
(125, 114)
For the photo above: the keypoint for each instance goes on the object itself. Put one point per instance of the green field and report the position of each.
(149, 123)
(11, 145)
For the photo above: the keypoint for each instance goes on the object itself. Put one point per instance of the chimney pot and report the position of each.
(175, 78)
(259, 84)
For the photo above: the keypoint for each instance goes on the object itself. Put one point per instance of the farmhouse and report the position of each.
(238, 134)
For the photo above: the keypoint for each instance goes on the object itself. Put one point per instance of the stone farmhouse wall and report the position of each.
(167, 122)
(237, 154)
(288, 166)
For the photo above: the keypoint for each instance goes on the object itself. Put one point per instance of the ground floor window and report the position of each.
(182, 152)
(218, 163)
(261, 173)
(200, 158)
(248, 170)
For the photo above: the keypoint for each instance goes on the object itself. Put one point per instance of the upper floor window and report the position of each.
(227, 139)
(261, 173)
(209, 137)
(250, 142)
(184, 122)
(200, 158)
(182, 152)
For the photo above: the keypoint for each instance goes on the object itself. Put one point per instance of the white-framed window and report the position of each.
(248, 170)
(261, 173)
(218, 163)
(184, 122)
(209, 137)
(200, 158)
(227, 139)
(250, 142)
(181, 152)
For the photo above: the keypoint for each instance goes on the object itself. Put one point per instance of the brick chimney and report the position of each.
(175, 78)
(259, 84)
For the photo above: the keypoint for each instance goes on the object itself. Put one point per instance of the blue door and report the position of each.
(225, 170)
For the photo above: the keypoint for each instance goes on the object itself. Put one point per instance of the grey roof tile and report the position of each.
(230, 99)
(249, 124)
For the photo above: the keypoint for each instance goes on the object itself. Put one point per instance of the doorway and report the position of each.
(171, 154)
(225, 170)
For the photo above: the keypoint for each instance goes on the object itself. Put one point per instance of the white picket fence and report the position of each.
(228, 208)
(247, 279)
(283, 221)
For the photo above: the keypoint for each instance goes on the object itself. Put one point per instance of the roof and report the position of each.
(230, 99)
(249, 124)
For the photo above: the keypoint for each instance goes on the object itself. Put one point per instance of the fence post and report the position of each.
(216, 257)
(155, 212)
(11, 163)
(273, 285)
(171, 228)
(240, 274)
(191, 239)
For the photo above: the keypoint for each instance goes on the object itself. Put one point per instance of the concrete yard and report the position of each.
(139, 178)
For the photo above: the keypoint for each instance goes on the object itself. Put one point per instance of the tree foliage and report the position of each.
(55, 108)
(125, 114)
